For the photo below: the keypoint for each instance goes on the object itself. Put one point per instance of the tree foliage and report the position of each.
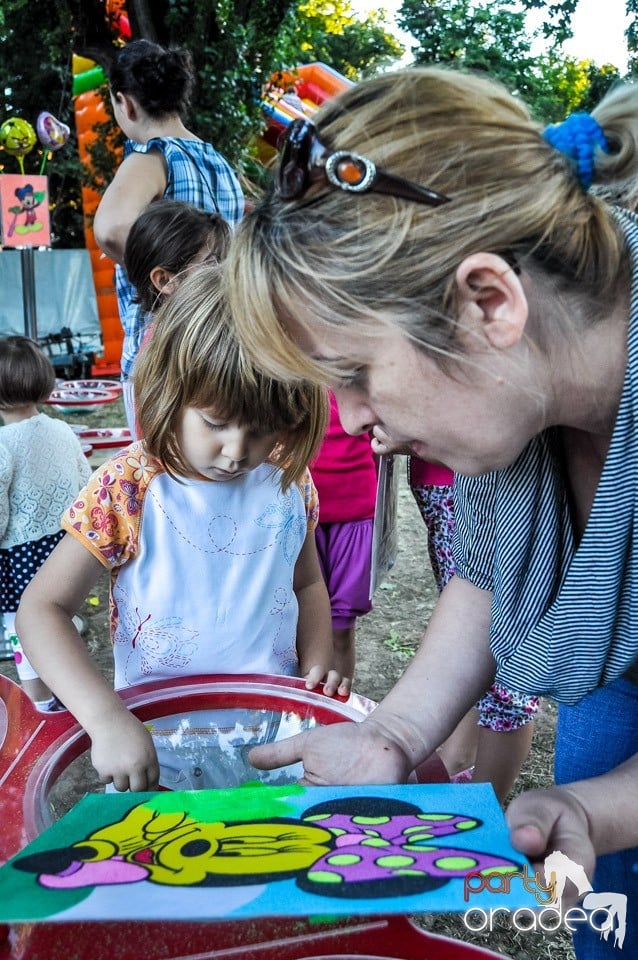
(493, 38)
(330, 32)
(35, 75)
(237, 44)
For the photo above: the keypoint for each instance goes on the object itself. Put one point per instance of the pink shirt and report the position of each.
(344, 473)
(425, 474)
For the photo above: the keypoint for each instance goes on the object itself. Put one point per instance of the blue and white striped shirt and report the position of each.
(199, 175)
(564, 620)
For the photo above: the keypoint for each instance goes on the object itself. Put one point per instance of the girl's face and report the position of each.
(475, 418)
(220, 449)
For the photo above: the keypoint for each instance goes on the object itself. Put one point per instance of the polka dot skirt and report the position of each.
(18, 566)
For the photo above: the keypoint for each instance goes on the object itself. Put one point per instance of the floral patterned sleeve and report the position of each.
(106, 514)
(310, 499)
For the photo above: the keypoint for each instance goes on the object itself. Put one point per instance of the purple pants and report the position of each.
(345, 556)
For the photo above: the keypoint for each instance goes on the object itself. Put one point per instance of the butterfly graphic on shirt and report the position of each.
(290, 528)
(156, 646)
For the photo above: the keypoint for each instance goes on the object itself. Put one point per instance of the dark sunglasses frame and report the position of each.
(304, 160)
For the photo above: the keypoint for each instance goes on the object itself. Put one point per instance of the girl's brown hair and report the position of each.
(170, 234)
(193, 359)
(362, 262)
(27, 375)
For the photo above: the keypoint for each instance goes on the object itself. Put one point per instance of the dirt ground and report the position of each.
(386, 639)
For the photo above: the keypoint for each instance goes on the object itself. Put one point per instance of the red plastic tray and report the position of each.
(36, 748)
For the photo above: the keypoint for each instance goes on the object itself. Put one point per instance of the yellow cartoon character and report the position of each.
(175, 849)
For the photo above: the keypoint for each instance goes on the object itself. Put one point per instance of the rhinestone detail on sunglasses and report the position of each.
(305, 160)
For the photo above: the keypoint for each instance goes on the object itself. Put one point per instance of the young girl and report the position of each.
(42, 468)
(168, 240)
(345, 475)
(207, 527)
(166, 243)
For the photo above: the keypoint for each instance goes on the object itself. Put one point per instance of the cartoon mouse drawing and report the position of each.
(29, 200)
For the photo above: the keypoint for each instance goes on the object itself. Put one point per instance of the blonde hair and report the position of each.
(617, 180)
(193, 358)
(365, 262)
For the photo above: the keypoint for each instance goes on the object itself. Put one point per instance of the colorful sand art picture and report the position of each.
(259, 851)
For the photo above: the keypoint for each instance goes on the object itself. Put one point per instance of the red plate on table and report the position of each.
(113, 386)
(109, 438)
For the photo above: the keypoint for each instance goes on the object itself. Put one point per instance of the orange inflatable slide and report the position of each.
(89, 111)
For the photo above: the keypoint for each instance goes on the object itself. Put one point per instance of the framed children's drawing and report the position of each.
(24, 210)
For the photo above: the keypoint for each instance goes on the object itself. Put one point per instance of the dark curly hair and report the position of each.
(160, 80)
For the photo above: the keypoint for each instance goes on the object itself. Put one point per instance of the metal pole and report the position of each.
(27, 263)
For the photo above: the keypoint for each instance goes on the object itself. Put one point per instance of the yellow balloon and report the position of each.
(17, 136)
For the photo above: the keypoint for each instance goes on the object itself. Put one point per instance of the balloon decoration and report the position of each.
(18, 138)
(52, 134)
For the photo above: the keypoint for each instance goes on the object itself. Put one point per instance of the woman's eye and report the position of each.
(355, 377)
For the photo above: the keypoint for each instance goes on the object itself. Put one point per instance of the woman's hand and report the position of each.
(123, 753)
(341, 753)
(544, 821)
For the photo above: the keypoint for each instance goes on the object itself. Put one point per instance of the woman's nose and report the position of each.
(355, 414)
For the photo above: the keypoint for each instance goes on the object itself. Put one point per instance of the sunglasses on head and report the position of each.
(304, 160)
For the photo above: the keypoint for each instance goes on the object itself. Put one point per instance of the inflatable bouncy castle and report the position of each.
(88, 79)
(290, 94)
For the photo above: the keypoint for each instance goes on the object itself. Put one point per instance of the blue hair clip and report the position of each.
(578, 137)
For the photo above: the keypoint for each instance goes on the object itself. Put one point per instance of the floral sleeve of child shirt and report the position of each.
(105, 516)
(310, 498)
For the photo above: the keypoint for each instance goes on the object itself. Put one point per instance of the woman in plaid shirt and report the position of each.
(150, 91)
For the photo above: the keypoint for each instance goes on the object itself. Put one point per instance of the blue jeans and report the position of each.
(595, 736)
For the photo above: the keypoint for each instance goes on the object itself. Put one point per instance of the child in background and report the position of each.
(168, 240)
(207, 526)
(42, 468)
(166, 243)
(496, 759)
(345, 475)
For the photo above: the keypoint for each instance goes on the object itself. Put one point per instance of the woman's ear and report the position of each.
(128, 106)
(163, 280)
(491, 295)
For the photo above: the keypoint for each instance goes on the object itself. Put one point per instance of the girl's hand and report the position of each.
(123, 753)
(333, 682)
